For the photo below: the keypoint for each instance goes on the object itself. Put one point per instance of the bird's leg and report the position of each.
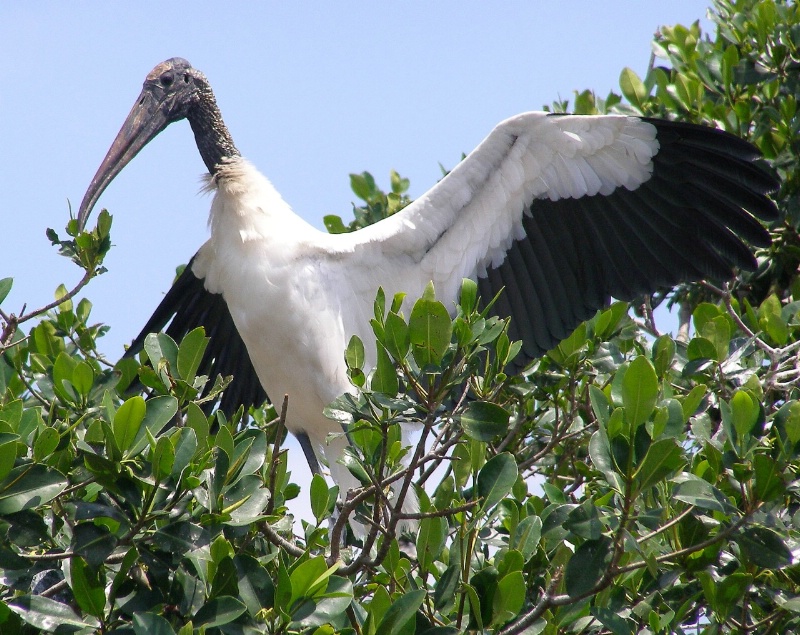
(308, 450)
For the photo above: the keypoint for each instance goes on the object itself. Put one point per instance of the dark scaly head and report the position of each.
(172, 91)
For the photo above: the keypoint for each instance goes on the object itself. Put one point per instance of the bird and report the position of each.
(559, 212)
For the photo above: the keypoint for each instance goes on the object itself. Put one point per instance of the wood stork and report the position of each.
(562, 211)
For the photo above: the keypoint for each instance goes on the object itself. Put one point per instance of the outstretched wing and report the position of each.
(567, 211)
(187, 305)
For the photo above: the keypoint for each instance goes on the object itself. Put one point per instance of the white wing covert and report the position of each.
(566, 211)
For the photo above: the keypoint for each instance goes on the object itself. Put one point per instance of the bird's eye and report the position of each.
(186, 79)
(166, 79)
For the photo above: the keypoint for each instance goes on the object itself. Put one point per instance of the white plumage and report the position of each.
(563, 211)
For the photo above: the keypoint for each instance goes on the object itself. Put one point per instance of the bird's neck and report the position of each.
(211, 134)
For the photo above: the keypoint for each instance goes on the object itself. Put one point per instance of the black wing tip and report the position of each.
(718, 141)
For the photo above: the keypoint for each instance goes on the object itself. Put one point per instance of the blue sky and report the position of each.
(311, 92)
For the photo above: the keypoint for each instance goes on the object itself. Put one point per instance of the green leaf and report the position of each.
(613, 621)
(484, 420)
(396, 336)
(8, 454)
(48, 615)
(429, 329)
(769, 478)
(256, 588)
(718, 332)
(744, 411)
(587, 566)
(771, 320)
(29, 486)
(445, 592)
(384, 379)
(63, 368)
(324, 609)
(509, 598)
(195, 420)
(83, 378)
(320, 497)
(151, 624)
(400, 613)
(554, 494)
(127, 421)
(764, 547)
(334, 224)
(190, 353)
(474, 605)
(362, 185)
(701, 348)
(218, 612)
(639, 391)
(11, 414)
(94, 542)
(663, 354)
(430, 541)
(663, 458)
(185, 444)
(163, 458)
(600, 453)
(695, 491)
(600, 405)
(88, 586)
(692, 401)
(496, 479)
(309, 578)
(225, 579)
(633, 88)
(5, 287)
(354, 355)
(469, 296)
(162, 351)
(527, 536)
(46, 443)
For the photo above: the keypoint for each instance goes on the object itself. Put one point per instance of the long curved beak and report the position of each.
(146, 119)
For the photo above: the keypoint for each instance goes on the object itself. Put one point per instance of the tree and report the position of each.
(627, 482)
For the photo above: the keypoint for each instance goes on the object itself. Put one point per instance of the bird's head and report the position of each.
(170, 92)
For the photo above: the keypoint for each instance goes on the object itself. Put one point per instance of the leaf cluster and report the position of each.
(626, 482)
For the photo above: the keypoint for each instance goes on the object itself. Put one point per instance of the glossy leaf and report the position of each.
(45, 444)
(430, 540)
(151, 624)
(29, 486)
(354, 355)
(319, 497)
(587, 566)
(639, 391)
(509, 598)
(190, 353)
(496, 479)
(127, 421)
(527, 536)
(47, 614)
(764, 547)
(429, 330)
(633, 88)
(384, 379)
(219, 611)
(5, 288)
(397, 336)
(400, 613)
(663, 458)
(483, 421)
(695, 491)
(88, 587)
